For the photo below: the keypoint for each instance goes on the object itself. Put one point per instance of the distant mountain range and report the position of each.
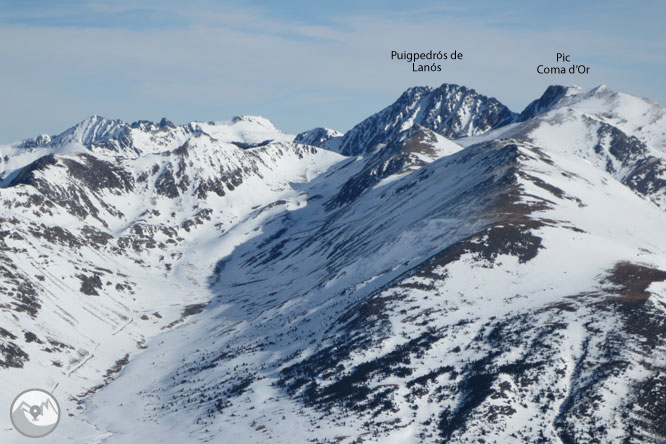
(446, 271)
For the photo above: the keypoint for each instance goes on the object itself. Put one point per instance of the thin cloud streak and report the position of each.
(241, 61)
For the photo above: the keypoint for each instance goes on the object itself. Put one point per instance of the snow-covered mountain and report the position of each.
(450, 110)
(321, 137)
(446, 271)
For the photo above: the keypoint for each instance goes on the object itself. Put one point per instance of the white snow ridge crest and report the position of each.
(447, 271)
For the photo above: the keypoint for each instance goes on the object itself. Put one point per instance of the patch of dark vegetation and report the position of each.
(552, 189)
(224, 180)
(643, 326)
(474, 389)
(639, 329)
(647, 176)
(23, 294)
(90, 284)
(193, 309)
(118, 366)
(182, 150)
(59, 346)
(224, 398)
(188, 310)
(228, 354)
(5, 334)
(624, 148)
(165, 184)
(477, 390)
(563, 306)
(141, 236)
(486, 245)
(197, 219)
(98, 174)
(238, 389)
(349, 389)
(108, 376)
(95, 237)
(431, 376)
(124, 286)
(372, 309)
(584, 396)
(277, 249)
(206, 186)
(87, 393)
(12, 355)
(55, 235)
(31, 337)
(631, 281)
(650, 395)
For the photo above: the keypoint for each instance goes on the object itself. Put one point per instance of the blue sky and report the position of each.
(302, 63)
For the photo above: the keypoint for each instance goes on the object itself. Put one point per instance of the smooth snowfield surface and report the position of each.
(467, 273)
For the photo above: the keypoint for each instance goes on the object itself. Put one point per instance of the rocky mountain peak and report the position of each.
(318, 137)
(97, 132)
(550, 99)
(451, 110)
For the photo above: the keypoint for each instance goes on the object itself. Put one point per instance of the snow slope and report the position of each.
(507, 286)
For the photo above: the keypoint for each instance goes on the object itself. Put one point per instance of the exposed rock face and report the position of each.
(548, 101)
(320, 137)
(450, 110)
